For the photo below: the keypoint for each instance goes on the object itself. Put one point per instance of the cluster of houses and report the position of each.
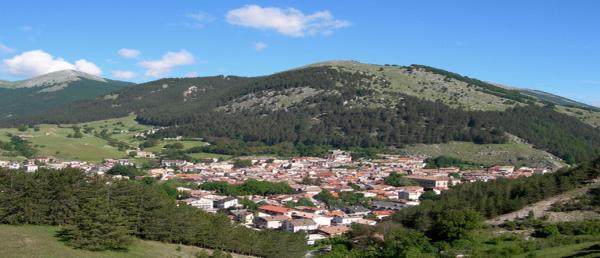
(32, 165)
(308, 176)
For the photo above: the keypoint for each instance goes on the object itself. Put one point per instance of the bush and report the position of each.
(546, 231)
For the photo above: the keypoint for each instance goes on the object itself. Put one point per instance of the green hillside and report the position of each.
(517, 154)
(51, 91)
(40, 242)
(54, 140)
(343, 105)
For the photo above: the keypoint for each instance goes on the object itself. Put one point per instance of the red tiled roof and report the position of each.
(383, 213)
(273, 208)
(334, 230)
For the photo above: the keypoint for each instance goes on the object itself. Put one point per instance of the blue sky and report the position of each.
(548, 45)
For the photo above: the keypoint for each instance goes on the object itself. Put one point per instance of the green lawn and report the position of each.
(39, 241)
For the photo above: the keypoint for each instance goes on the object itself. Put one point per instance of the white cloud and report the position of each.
(164, 65)
(289, 21)
(37, 62)
(259, 46)
(124, 74)
(87, 67)
(129, 53)
(5, 49)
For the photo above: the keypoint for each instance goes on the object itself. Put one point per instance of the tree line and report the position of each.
(97, 213)
(249, 187)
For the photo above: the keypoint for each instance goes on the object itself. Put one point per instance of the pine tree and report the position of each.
(97, 226)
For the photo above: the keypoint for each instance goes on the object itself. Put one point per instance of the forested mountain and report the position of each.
(343, 104)
(52, 90)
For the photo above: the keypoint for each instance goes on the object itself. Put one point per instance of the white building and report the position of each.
(226, 203)
(344, 220)
(296, 225)
(270, 222)
(201, 203)
(31, 168)
(411, 193)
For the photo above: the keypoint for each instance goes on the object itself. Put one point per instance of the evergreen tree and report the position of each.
(98, 226)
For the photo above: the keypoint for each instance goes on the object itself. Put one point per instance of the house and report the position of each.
(339, 156)
(332, 231)
(320, 220)
(159, 172)
(201, 203)
(14, 165)
(243, 216)
(356, 210)
(172, 163)
(226, 203)
(270, 222)
(31, 167)
(382, 205)
(122, 162)
(61, 165)
(382, 213)
(312, 238)
(273, 210)
(344, 220)
(308, 209)
(506, 170)
(411, 193)
(313, 190)
(440, 182)
(42, 159)
(296, 225)
(368, 194)
(365, 222)
(145, 154)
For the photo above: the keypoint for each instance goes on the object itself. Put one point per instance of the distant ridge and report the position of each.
(53, 78)
(51, 90)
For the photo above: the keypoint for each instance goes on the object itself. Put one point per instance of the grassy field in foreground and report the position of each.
(517, 154)
(491, 242)
(39, 241)
(583, 250)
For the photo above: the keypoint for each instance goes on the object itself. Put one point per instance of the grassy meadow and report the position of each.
(40, 242)
(53, 140)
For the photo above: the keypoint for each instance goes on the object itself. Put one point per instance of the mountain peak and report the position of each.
(58, 77)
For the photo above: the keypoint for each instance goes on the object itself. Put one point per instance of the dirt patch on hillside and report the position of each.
(541, 209)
